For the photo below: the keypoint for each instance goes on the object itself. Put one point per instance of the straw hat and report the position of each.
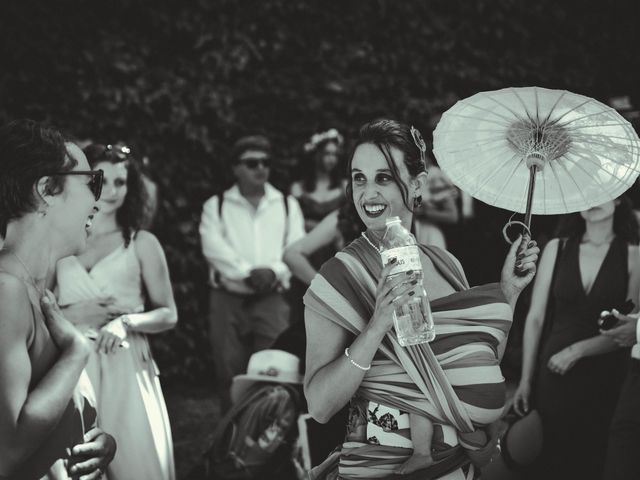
(274, 366)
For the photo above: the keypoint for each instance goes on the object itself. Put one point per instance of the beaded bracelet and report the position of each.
(346, 354)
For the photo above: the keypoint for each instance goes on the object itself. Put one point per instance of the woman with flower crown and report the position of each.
(353, 355)
(321, 190)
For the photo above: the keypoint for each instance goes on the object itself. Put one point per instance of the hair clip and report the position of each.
(419, 141)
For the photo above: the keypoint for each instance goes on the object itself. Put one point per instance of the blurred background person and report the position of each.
(321, 189)
(592, 266)
(244, 232)
(438, 209)
(117, 292)
(47, 416)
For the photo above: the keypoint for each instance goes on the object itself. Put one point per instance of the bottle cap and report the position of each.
(391, 220)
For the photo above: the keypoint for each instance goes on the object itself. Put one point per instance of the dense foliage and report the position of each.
(178, 81)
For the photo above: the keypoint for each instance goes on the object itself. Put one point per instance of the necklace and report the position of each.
(371, 243)
(26, 269)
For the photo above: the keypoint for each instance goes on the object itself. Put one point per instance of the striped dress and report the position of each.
(455, 381)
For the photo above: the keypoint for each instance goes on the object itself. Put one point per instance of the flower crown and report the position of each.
(318, 138)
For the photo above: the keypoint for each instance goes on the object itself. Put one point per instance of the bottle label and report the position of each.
(407, 258)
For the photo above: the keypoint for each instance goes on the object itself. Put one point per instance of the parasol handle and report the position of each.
(526, 231)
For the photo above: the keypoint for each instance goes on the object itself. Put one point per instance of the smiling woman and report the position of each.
(353, 354)
(46, 401)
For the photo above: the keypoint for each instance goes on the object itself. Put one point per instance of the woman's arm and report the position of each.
(296, 255)
(157, 284)
(331, 378)
(28, 413)
(534, 323)
(633, 290)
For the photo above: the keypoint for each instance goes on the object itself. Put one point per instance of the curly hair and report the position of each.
(29, 151)
(625, 224)
(134, 212)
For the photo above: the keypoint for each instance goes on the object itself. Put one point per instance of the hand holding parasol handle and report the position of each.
(534, 164)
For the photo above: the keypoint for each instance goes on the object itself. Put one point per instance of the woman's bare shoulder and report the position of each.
(14, 306)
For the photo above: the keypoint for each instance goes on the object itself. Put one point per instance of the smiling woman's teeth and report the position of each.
(374, 208)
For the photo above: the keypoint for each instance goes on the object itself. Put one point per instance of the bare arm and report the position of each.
(533, 325)
(331, 379)
(155, 276)
(537, 311)
(296, 256)
(28, 416)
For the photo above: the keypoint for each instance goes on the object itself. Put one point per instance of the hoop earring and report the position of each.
(417, 201)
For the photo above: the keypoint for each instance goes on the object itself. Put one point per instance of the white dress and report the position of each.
(130, 404)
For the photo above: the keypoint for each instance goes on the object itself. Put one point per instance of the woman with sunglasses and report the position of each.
(47, 415)
(116, 292)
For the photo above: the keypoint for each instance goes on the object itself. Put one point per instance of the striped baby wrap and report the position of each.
(455, 380)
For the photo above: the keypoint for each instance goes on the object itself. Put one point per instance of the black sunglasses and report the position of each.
(95, 183)
(253, 163)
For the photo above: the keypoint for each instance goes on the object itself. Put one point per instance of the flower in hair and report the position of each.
(419, 141)
(318, 138)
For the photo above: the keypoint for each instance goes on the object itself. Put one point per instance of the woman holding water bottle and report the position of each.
(353, 352)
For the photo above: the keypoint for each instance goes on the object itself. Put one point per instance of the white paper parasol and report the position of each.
(535, 150)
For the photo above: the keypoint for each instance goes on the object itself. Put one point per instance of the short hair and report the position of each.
(29, 150)
(250, 142)
(134, 212)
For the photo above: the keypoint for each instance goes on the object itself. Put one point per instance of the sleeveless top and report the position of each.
(78, 418)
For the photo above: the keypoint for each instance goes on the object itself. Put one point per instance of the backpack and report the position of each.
(255, 438)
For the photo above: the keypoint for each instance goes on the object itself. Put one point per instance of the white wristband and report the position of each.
(346, 354)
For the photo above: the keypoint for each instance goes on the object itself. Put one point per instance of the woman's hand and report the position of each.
(521, 398)
(564, 360)
(512, 284)
(624, 333)
(111, 336)
(94, 313)
(89, 460)
(391, 292)
(63, 333)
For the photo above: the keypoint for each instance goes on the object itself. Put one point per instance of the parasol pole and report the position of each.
(535, 162)
(532, 186)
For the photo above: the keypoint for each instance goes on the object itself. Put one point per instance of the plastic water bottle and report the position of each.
(413, 320)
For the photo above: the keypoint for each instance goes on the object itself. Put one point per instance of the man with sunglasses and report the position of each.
(244, 232)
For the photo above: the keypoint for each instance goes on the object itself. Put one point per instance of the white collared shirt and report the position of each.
(246, 237)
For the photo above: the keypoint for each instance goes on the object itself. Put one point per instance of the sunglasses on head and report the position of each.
(122, 152)
(253, 163)
(95, 182)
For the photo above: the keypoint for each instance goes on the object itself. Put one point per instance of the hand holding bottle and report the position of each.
(391, 291)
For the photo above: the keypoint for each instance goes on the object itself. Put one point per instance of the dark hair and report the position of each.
(625, 224)
(309, 175)
(134, 212)
(29, 151)
(385, 134)
(250, 142)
